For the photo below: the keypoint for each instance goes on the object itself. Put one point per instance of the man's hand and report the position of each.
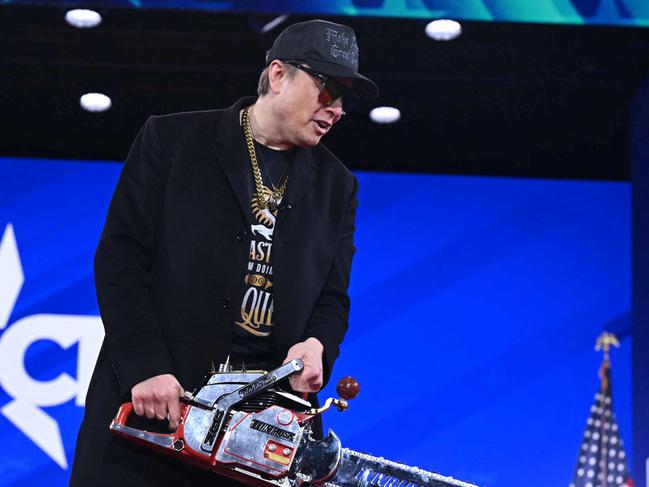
(310, 352)
(157, 397)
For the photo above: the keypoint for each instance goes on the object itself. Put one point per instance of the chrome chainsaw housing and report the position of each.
(265, 441)
(241, 425)
(241, 443)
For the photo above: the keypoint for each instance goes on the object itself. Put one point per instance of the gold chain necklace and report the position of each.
(265, 200)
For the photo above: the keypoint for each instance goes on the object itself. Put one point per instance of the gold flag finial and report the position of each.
(604, 342)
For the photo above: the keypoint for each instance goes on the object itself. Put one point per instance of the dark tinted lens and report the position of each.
(350, 100)
(333, 90)
(326, 97)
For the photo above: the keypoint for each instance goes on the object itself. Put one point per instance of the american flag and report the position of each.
(602, 460)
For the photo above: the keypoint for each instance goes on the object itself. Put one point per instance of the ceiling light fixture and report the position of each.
(385, 115)
(443, 29)
(83, 18)
(95, 102)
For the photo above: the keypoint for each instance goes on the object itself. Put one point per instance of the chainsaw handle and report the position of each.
(126, 409)
(167, 441)
(123, 413)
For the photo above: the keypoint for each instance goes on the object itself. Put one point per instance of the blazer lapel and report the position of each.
(302, 177)
(232, 154)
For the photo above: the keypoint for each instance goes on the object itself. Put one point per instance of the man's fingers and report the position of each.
(173, 406)
(156, 397)
(310, 378)
(161, 409)
(138, 407)
(298, 384)
(149, 410)
(310, 373)
(144, 406)
(174, 413)
(316, 383)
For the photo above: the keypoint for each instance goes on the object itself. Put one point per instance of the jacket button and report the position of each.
(226, 303)
(241, 235)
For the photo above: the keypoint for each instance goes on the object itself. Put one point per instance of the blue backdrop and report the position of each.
(630, 13)
(476, 304)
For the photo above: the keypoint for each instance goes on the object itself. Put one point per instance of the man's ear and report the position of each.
(276, 74)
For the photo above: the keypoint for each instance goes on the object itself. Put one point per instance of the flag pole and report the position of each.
(603, 344)
(602, 459)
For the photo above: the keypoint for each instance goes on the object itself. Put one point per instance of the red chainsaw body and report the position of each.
(258, 441)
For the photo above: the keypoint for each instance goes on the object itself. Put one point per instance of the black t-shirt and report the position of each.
(253, 329)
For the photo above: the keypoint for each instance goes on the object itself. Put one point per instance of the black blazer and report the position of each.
(170, 261)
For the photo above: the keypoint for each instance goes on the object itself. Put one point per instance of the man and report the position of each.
(230, 233)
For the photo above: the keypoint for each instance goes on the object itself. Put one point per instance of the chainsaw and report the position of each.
(241, 425)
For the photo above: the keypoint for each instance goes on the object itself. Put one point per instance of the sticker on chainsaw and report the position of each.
(269, 429)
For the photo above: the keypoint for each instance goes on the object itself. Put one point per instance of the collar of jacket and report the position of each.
(232, 153)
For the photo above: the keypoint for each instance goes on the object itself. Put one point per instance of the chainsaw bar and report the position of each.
(362, 470)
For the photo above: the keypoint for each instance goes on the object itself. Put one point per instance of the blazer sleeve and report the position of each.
(124, 261)
(329, 319)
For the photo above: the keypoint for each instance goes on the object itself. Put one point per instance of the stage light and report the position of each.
(274, 23)
(83, 18)
(95, 102)
(443, 29)
(385, 114)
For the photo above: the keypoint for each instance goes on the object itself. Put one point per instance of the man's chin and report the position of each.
(308, 142)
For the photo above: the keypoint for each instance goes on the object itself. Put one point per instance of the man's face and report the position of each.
(303, 118)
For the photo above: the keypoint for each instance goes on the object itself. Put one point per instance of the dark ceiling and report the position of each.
(502, 99)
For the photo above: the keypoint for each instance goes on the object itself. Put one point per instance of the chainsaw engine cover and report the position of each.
(265, 441)
(198, 421)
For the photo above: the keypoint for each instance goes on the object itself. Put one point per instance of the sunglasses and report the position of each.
(331, 90)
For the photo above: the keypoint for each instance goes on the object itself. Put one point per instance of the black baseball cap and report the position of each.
(326, 47)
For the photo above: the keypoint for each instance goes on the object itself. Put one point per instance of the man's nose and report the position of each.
(335, 110)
